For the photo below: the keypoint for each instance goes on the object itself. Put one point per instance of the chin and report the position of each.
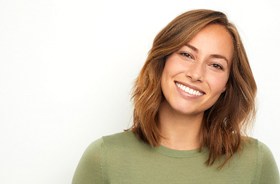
(188, 111)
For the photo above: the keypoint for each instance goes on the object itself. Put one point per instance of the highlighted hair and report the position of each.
(225, 122)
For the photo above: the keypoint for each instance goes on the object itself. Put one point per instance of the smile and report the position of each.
(189, 90)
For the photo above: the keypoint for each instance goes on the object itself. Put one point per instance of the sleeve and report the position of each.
(268, 171)
(89, 169)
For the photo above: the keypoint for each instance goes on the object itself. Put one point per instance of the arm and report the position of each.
(89, 170)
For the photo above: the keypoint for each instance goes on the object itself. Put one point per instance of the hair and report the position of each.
(224, 123)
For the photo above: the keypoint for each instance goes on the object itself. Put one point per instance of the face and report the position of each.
(196, 75)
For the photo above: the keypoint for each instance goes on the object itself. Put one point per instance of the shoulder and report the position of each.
(252, 145)
(99, 156)
(119, 138)
(99, 152)
(89, 169)
(122, 141)
(256, 147)
(265, 164)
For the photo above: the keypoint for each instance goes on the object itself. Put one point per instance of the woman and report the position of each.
(193, 99)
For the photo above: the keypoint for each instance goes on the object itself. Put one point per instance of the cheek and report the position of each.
(174, 65)
(164, 79)
(218, 84)
(168, 74)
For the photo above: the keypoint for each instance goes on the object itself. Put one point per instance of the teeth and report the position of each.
(189, 90)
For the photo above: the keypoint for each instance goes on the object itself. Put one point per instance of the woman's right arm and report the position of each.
(89, 170)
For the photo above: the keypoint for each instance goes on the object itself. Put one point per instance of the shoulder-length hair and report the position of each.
(223, 123)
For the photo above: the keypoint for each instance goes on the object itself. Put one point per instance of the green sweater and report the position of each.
(123, 159)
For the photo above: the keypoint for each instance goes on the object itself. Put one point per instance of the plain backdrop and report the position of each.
(67, 68)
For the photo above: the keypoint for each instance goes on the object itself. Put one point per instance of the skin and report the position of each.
(192, 80)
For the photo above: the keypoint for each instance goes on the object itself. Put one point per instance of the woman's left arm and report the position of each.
(268, 171)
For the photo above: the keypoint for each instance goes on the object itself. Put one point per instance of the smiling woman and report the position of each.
(192, 100)
(194, 77)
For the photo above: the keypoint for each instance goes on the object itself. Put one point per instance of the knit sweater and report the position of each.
(123, 159)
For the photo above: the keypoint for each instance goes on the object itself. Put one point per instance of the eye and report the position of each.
(217, 66)
(187, 55)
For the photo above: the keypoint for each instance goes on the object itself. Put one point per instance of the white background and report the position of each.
(67, 68)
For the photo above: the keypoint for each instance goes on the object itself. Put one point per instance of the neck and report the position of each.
(179, 131)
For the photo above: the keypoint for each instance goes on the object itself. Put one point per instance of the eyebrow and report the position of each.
(192, 47)
(212, 56)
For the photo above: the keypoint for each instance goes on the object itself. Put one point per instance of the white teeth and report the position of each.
(189, 90)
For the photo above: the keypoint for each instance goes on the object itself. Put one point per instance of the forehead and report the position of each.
(214, 39)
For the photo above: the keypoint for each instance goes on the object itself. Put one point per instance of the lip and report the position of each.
(190, 86)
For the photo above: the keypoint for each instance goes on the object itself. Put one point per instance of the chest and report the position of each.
(154, 170)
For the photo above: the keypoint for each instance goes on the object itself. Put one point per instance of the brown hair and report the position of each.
(223, 123)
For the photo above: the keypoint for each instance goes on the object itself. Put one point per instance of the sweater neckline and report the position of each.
(163, 150)
(179, 153)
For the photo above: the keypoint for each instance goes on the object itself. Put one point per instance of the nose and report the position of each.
(195, 72)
